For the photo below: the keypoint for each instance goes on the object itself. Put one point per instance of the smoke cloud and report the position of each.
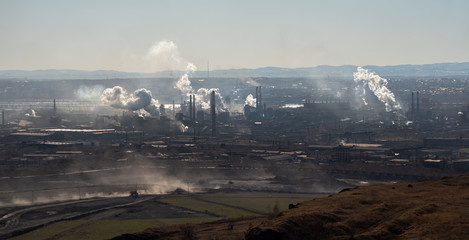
(117, 97)
(203, 97)
(168, 51)
(184, 84)
(250, 101)
(31, 113)
(164, 55)
(377, 85)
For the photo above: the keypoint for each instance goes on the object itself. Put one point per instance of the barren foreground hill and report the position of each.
(436, 209)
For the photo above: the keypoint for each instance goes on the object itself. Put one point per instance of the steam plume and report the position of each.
(250, 101)
(164, 55)
(377, 85)
(117, 97)
(184, 84)
(203, 96)
(168, 52)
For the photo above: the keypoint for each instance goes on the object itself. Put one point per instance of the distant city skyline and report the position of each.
(120, 35)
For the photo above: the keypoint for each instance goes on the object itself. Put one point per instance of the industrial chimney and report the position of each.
(3, 118)
(257, 99)
(260, 96)
(212, 113)
(190, 108)
(193, 109)
(418, 102)
(412, 102)
(173, 108)
(54, 108)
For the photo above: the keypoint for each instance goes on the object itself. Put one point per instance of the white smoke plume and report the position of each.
(168, 51)
(117, 97)
(31, 113)
(164, 55)
(377, 85)
(203, 98)
(184, 84)
(250, 101)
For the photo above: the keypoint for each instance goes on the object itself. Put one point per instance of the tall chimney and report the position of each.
(193, 108)
(212, 112)
(260, 95)
(3, 118)
(173, 108)
(418, 102)
(412, 102)
(261, 110)
(54, 107)
(190, 108)
(257, 99)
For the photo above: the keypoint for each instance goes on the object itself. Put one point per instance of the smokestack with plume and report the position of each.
(204, 98)
(117, 97)
(168, 51)
(184, 84)
(203, 94)
(377, 85)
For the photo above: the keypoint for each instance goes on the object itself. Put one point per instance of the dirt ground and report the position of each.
(435, 209)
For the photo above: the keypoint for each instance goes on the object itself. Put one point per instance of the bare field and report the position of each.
(433, 209)
(102, 229)
(158, 211)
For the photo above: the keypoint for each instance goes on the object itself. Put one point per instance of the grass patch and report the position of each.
(260, 202)
(188, 202)
(102, 229)
(51, 230)
(105, 229)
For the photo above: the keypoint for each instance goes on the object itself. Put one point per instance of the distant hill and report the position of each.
(427, 70)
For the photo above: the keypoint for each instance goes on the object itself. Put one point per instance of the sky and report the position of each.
(118, 35)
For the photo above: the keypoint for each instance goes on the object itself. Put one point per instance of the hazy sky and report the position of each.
(117, 35)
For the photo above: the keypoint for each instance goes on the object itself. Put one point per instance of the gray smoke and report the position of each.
(117, 97)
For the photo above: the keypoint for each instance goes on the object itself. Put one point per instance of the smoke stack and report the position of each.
(190, 108)
(54, 107)
(173, 108)
(412, 102)
(3, 118)
(212, 112)
(257, 100)
(260, 95)
(418, 102)
(261, 110)
(193, 108)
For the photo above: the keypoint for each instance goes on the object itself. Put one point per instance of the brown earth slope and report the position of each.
(437, 209)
